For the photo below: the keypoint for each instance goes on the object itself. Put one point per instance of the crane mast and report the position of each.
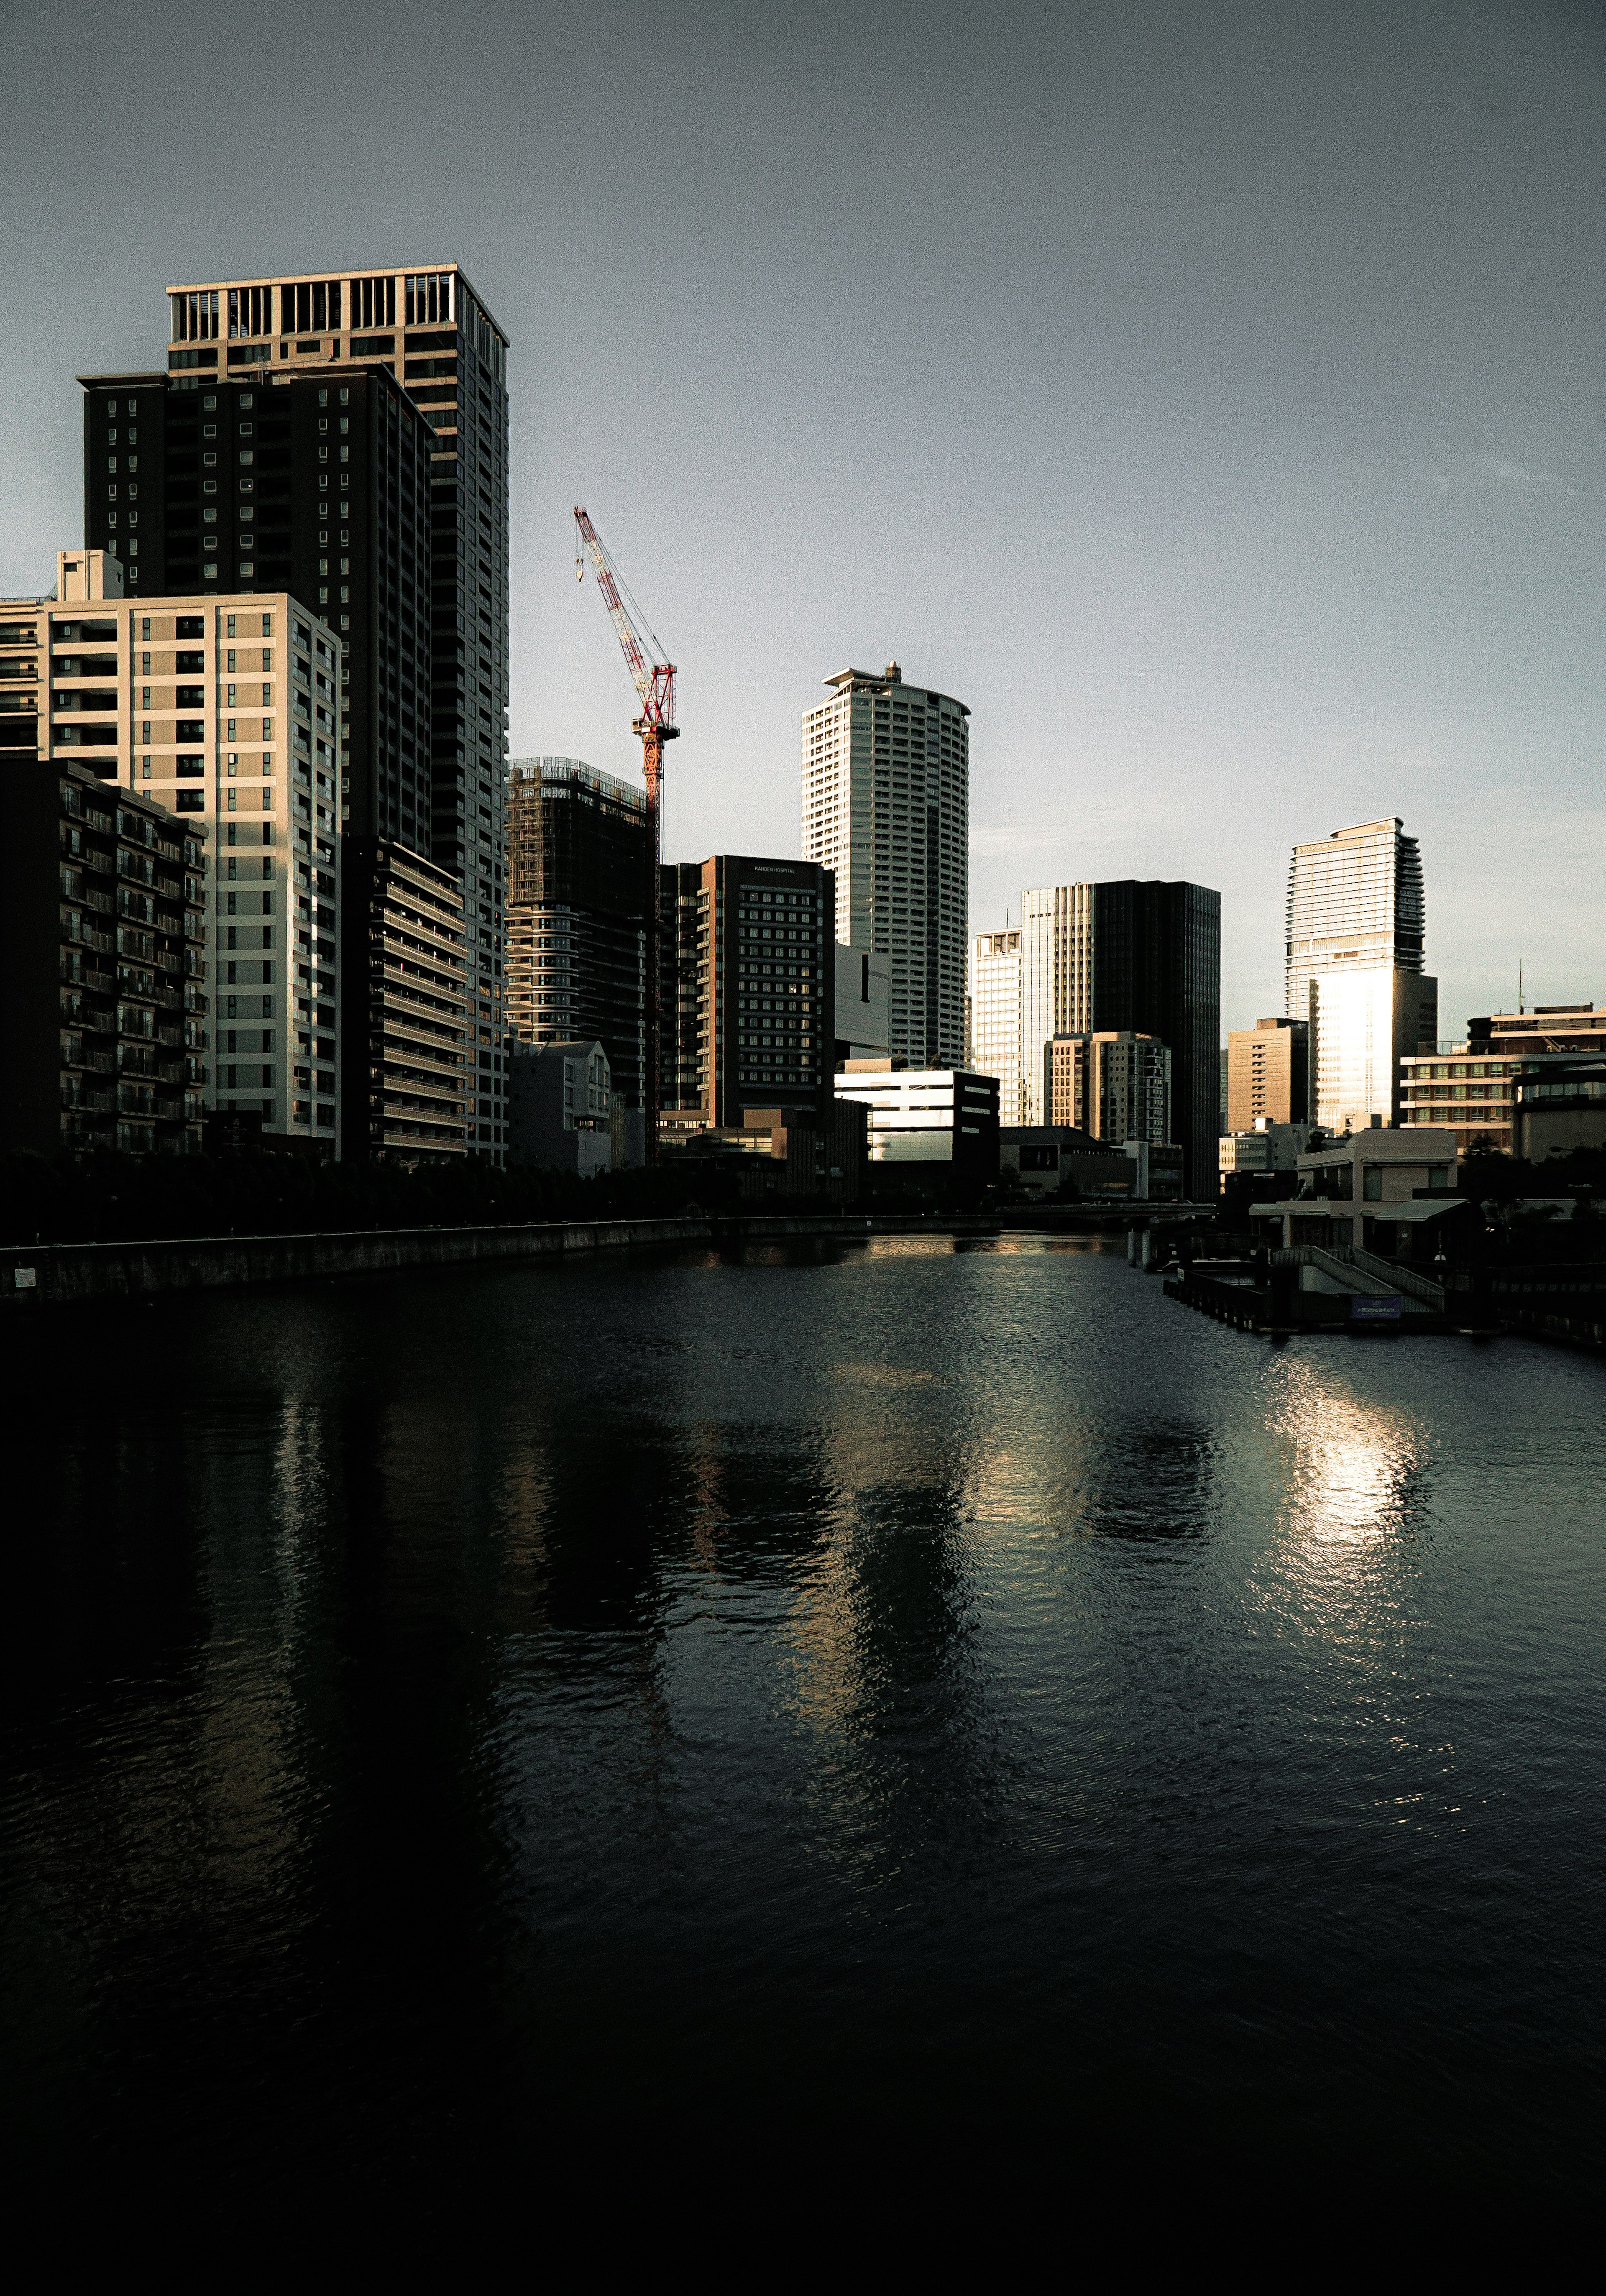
(654, 682)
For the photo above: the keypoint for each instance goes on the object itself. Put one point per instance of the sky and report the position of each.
(1212, 398)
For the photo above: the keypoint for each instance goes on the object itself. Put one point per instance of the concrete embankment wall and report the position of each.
(70, 1272)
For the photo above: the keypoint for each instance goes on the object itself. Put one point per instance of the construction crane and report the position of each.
(654, 682)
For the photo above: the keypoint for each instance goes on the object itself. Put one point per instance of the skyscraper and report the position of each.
(886, 807)
(1134, 955)
(1356, 918)
(430, 330)
(576, 959)
(240, 488)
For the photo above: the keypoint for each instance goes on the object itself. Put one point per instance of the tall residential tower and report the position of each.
(886, 807)
(433, 333)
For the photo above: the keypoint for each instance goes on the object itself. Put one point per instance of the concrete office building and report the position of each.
(432, 330)
(1472, 1087)
(102, 950)
(1113, 1084)
(561, 1098)
(220, 708)
(748, 983)
(1268, 1075)
(996, 1036)
(886, 809)
(577, 879)
(936, 1123)
(1357, 918)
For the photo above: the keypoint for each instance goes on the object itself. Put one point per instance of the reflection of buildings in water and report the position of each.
(1093, 1474)
(884, 1599)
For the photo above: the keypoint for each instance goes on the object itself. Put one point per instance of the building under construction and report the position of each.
(576, 941)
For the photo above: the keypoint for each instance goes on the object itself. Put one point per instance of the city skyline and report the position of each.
(1305, 452)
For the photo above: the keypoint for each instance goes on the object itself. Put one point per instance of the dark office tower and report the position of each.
(576, 857)
(437, 337)
(748, 976)
(1157, 969)
(316, 483)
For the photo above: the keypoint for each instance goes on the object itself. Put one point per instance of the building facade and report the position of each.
(886, 809)
(748, 983)
(438, 337)
(103, 940)
(996, 1036)
(427, 1062)
(220, 708)
(940, 1122)
(577, 884)
(1472, 1087)
(1265, 1147)
(1355, 929)
(1268, 1075)
(1112, 1084)
(561, 1096)
(1378, 1188)
(1129, 956)
(862, 1006)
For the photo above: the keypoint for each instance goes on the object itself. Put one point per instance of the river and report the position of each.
(944, 1681)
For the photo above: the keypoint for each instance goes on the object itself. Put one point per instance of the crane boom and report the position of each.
(654, 682)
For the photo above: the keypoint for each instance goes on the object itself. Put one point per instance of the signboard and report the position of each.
(1368, 1307)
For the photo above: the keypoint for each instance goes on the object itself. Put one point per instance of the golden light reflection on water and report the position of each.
(1353, 1471)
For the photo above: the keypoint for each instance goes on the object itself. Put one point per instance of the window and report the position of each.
(1371, 1184)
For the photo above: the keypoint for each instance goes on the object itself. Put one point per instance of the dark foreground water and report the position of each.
(915, 1686)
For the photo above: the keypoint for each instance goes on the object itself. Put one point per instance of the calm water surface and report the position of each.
(914, 1679)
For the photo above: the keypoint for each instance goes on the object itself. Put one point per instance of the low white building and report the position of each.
(1372, 1189)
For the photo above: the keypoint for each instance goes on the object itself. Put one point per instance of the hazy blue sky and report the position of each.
(1212, 398)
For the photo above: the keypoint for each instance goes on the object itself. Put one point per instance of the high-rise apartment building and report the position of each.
(1356, 919)
(995, 1019)
(430, 330)
(1268, 1074)
(426, 1060)
(323, 484)
(1113, 1084)
(221, 708)
(1136, 957)
(576, 858)
(748, 981)
(886, 809)
(102, 950)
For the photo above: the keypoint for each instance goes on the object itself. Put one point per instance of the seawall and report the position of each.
(73, 1274)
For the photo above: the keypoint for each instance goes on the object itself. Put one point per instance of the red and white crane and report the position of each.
(654, 682)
